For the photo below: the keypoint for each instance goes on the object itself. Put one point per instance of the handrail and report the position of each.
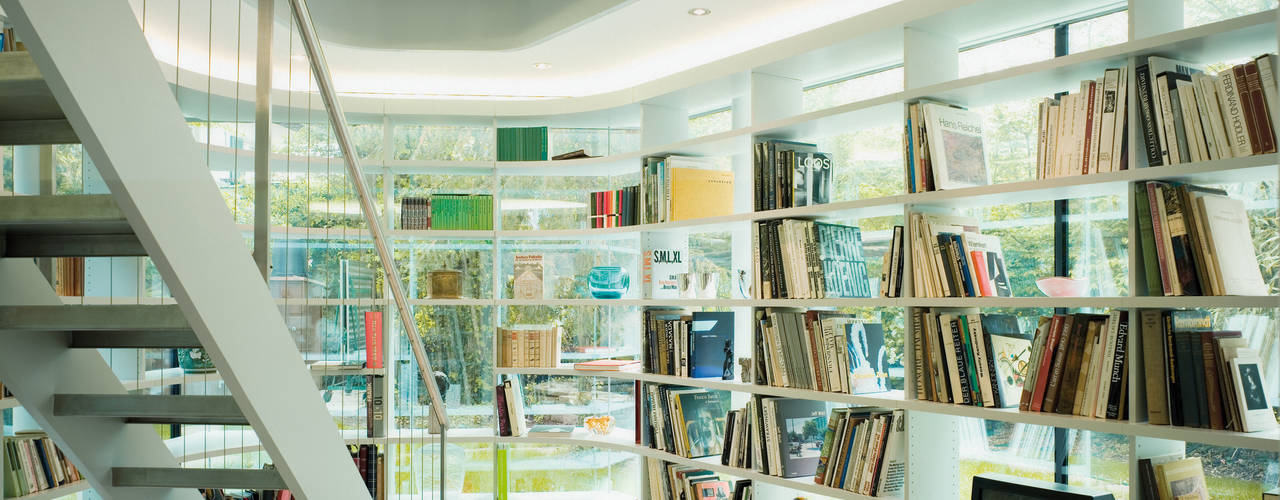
(324, 80)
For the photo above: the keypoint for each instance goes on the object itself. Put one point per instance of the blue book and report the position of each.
(712, 350)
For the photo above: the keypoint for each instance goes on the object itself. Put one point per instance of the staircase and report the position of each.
(90, 78)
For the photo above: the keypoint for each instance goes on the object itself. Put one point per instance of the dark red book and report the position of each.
(500, 401)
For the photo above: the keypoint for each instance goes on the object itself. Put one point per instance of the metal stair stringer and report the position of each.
(100, 69)
(39, 365)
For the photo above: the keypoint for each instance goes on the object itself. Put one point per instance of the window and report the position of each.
(1197, 12)
(711, 122)
(428, 142)
(852, 89)
(1101, 31)
(1007, 53)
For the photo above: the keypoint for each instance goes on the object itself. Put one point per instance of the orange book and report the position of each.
(979, 261)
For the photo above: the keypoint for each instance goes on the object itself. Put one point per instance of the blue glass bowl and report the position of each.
(608, 282)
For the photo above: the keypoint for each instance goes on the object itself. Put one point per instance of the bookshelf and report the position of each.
(773, 115)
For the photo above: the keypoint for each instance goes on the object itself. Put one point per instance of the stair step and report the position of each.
(247, 479)
(146, 409)
(78, 318)
(134, 339)
(89, 225)
(28, 112)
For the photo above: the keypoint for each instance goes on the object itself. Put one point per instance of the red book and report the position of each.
(980, 269)
(373, 339)
(500, 400)
(1088, 127)
(1046, 362)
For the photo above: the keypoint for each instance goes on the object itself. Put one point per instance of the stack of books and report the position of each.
(615, 208)
(1197, 376)
(33, 464)
(460, 212)
(668, 481)
(1162, 476)
(1195, 241)
(790, 174)
(529, 346)
(371, 462)
(1084, 133)
(1078, 366)
(776, 436)
(674, 188)
(509, 402)
(522, 144)
(215, 494)
(819, 350)
(684, 344)
(9, 42)
(944, 146)
(864, 451)
(415, 213)
(686, 421)
(1189, 115)
(69, 279)
(804, 259)
(963, 357)
(950, 257)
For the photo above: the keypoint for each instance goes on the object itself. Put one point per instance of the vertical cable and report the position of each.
(1061, 265)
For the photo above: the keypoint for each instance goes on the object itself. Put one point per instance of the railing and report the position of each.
(324, 80)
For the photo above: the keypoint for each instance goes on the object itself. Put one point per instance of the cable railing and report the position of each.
(341, 132)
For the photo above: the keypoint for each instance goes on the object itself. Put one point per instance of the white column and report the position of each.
(928, 58)
(774, 97)
(1148, 18)
(662, 124)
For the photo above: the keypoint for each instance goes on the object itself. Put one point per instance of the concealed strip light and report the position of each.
(699, 11)
(541, 65)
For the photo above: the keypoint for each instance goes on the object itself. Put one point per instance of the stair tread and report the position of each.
(24, 94)
(62, 214)
(154, 409)
(93, 317)
(172, 477)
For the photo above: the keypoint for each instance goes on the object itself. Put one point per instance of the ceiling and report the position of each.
(482, 49)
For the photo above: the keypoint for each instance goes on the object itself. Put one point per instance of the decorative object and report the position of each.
(195, 360)
(446, 284)
(708, 285)
(744, 285)
(608, 282)
(600, 425)
(1058, 286)
(745, 365)
(687, 285)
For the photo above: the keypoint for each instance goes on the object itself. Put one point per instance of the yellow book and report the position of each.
(1182, 480)
(699, 192)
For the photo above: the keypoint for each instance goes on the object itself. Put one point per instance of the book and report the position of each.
(1182, 480)
(801, 425)
(664, 257)
(609, 365)
(1010, 353)
(699, 415)
(580, 153)
(956, 148)
(527, 281)
(529, 346)
(522, 143)
(1230, 239)
(543, 430)
(376, 406)
(614, 207)
(1255, 409)
(1200, 239)
(711, 337)
(373, 350)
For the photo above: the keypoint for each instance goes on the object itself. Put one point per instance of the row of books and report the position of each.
(4, 392)
(69, 276)
(217, 494)
(1078, 366)
(1195, 241)
(684, 344)
(963, 357)
(950, 257)
(790, 174)
(891, 266)
(864, 451)
(668, 481)
(33, 464)
(775, 436)
(615, 207)
(804, 259)
(1201, 377)
(529, 346)
(1084, 133)
(522, 143)
(1172, 477)
(686, 421)
(819, 350)
(9, 42)
(944, 147)
(509, 402)
(447, 212)
(1189, 115)
(372, 465)
(675, 188)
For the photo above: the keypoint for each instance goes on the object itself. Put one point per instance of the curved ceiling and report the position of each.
(611, 46)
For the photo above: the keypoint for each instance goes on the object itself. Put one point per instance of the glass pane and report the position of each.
(867, 163)
(1099, 461)
(591, 472)
(1010, 140)
(1098, 32)
(853, 89)
(1197, 12)
(1236, 472)
(1021, 450)
(459, 342)
(1098, 244)
(427, 142)
(1016, 51)
(710, 123)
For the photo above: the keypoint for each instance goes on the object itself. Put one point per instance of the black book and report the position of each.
(1147, 109)
(1186, 327)
(711, 342)
(742, 489)
(728, 437)
(1119, 370)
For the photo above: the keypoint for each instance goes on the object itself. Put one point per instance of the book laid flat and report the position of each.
(609, 365)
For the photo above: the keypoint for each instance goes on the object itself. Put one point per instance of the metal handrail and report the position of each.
(324, 80)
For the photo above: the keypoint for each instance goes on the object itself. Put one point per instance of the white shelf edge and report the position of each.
(59, 492)
(8, 403)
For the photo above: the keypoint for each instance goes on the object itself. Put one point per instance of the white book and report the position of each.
(1095, 125)
(1051, 147)
(1233, 115)
(1042, 132)
(1110, 92)
(664, 257)
(1122, 116)
(1255, 406)
(1206, 123)
(949, 354)
(1208, 88)
(1210, 264)
(1170, 127)
(1191, 121)
(1232, 244)
(893, 462)
(956, 147)
(1082, 130)
(1103, 392)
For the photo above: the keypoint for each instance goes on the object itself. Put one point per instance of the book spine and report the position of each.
(1212, 393)
(1119, 367)
(1239, 73)
(917, 351)
(1258, 105)
(957, 338)
(1046, 363)
(1059, 364)
(1233, 114)
(1157, 227)
(1183, 257)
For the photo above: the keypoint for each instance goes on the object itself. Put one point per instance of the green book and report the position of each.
(974, 387)
(1147, 242)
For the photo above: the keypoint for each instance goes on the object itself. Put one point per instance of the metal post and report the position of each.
(324, 81)
(262, 140)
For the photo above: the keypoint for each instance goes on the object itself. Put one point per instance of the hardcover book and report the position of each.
(373, 339)
(703, 413)
(956, 147)
(712, 333)
(801, 425)
(664, 257)
(1010, 353)
(811, 179)
(868, 360)
(527, 284)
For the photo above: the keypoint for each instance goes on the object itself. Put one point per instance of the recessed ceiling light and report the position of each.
(699, 11)
(541, 65)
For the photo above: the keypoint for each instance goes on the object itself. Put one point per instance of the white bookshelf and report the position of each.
(55, 493)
